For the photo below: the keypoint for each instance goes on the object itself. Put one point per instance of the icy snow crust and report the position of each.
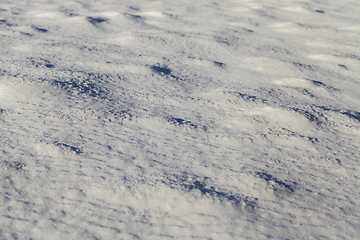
(179, 119)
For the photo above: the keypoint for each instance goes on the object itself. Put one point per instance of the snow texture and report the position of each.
(151, 119)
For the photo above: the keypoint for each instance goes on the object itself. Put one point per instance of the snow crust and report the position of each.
(185, 119)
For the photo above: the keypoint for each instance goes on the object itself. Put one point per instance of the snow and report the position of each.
(194, 119)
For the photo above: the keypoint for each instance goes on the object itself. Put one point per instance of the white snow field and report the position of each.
(159, 119)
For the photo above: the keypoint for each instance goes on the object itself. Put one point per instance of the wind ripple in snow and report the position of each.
(138, 120)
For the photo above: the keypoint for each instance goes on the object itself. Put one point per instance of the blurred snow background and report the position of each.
(179, 119)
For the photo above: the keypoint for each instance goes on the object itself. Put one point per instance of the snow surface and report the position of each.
(151, 119)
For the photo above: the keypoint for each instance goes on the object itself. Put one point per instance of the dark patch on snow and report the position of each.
(180, 121)
(301, 65)
(26, 34)
(352, 114)
(135, 236)
(86, 83)
(321, 84)
(96, 20)
(318, 83)
(42, 30)
(306, 92)
(220, 64)
(352, 56)
(2, 111)
(229, 39)
(203, 185)
(69, 12)
(68, 147)
(161, 70)
(349, 113)
(3, 21)
(343, 66)
(49, 65)
(333, 89)
(335, 161)
(164, 71)
(40, 62)
(278, 186)
(113, 114)
(319, 11)
(135, 17)
(81, 86)
(313, 140)
(312, 116)
(220, 40)
(248, 97)
(134, 8)
(15, 165)
(15, 236)
(170, 15)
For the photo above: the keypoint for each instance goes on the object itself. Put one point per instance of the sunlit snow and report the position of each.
(165, 119)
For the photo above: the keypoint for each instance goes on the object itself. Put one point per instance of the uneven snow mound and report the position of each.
(179, 119)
